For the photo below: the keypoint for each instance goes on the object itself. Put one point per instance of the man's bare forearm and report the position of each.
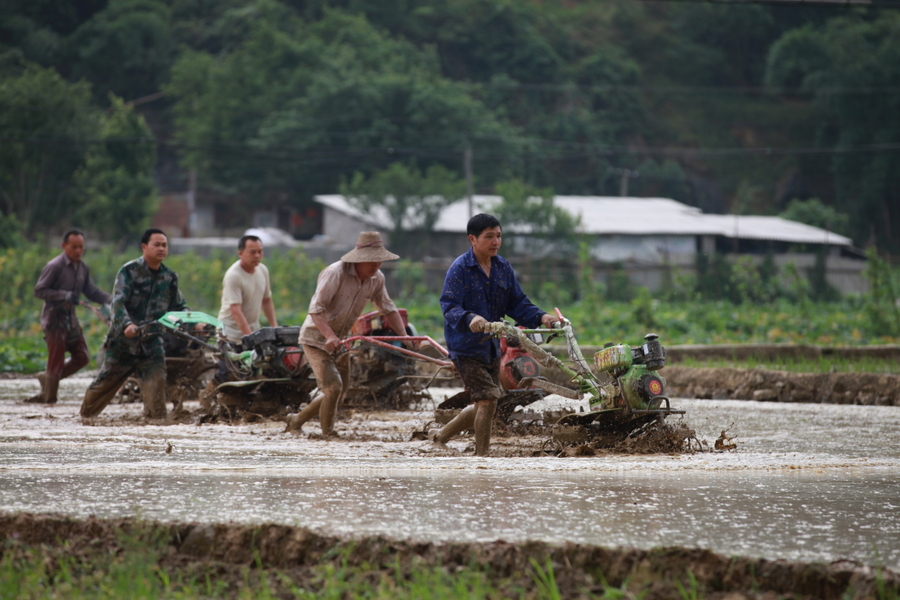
(238, 315)
(396, 322)
(268, 308)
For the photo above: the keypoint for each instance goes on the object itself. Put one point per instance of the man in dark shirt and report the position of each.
(479, 288)
(62, 282)
(145, 290)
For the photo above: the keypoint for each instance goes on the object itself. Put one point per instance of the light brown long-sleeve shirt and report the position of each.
(341, 297)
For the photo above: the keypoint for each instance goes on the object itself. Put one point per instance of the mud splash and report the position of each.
(285, 555)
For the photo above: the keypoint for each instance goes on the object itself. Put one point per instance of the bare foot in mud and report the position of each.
(331, 435)
(441, 445)
(290, 427)
(435, 442)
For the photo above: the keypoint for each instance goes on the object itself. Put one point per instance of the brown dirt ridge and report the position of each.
(724, 383)
(720, 383)
(230, 551)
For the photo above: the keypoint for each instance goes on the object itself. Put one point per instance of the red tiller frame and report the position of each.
(383, 341)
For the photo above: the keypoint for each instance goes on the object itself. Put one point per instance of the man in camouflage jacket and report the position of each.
(145, 290)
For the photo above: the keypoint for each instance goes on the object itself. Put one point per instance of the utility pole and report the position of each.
(192, 203)
(625, 174)
(467, 169)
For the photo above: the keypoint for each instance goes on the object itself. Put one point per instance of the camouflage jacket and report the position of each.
(140, 296)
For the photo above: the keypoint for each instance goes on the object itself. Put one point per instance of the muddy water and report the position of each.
(807, 482)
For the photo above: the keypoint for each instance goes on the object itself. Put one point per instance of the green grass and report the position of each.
(134, 572)
(138, 560)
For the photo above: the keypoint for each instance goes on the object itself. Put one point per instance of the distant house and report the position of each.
(643, 234)
(215, 214)
(621, 229)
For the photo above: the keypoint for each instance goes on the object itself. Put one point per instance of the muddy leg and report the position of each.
(153, 393)
(56, 356)
(333, 378)
(311, 410)
(51, 388)
(464, 421)
(79, 354)
(484, 418)
(104, 387)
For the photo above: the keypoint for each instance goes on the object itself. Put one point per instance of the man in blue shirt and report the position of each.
(480, 288)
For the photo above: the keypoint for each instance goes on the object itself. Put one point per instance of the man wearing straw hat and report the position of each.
(343, 290)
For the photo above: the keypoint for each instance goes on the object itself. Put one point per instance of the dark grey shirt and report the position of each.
(59, 276)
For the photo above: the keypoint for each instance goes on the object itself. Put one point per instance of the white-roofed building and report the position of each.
(641, 233)
(624, 228)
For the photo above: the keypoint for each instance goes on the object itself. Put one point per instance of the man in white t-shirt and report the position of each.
(246, 291)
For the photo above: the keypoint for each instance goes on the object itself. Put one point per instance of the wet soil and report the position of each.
(285, 555)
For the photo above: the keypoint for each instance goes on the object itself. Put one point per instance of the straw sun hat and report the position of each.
(369, 248)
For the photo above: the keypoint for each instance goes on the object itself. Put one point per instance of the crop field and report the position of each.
(678, 318)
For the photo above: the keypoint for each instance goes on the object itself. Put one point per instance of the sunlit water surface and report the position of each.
(807, 482)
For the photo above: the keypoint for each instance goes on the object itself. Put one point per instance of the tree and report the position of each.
(116, 182)
(410, 200)
(46, 125)
(526, 207)
(125, 49)
(847, 65)
(814, 212)
(298, 105)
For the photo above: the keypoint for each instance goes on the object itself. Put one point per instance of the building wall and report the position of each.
(339, 228)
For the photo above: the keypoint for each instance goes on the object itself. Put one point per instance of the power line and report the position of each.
(337, 153)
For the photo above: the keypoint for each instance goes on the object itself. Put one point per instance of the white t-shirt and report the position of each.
(248, 290)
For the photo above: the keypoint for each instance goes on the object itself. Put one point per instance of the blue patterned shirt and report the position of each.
(468, 292)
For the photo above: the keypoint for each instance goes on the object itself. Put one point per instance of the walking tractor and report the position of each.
(624, 395)
(271, 376)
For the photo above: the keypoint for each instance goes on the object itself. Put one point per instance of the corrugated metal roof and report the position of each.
(613, 215)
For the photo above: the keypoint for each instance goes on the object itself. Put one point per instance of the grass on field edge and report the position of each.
(49, 557)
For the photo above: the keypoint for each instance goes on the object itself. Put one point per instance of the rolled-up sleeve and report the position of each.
(381, 299)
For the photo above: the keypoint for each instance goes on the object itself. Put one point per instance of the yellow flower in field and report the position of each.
(774, 333)
(35, 328)
(857, 334)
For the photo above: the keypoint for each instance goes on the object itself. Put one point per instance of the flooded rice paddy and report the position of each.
(807, 482)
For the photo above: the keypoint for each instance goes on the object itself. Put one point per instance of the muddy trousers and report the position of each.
(482, 381)
(59, 341)
(333, 379)
(150, 370)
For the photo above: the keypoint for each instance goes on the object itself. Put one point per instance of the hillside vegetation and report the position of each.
(731, 106)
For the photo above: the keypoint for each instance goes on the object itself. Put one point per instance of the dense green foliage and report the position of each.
(62, 158)
(736, 106)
